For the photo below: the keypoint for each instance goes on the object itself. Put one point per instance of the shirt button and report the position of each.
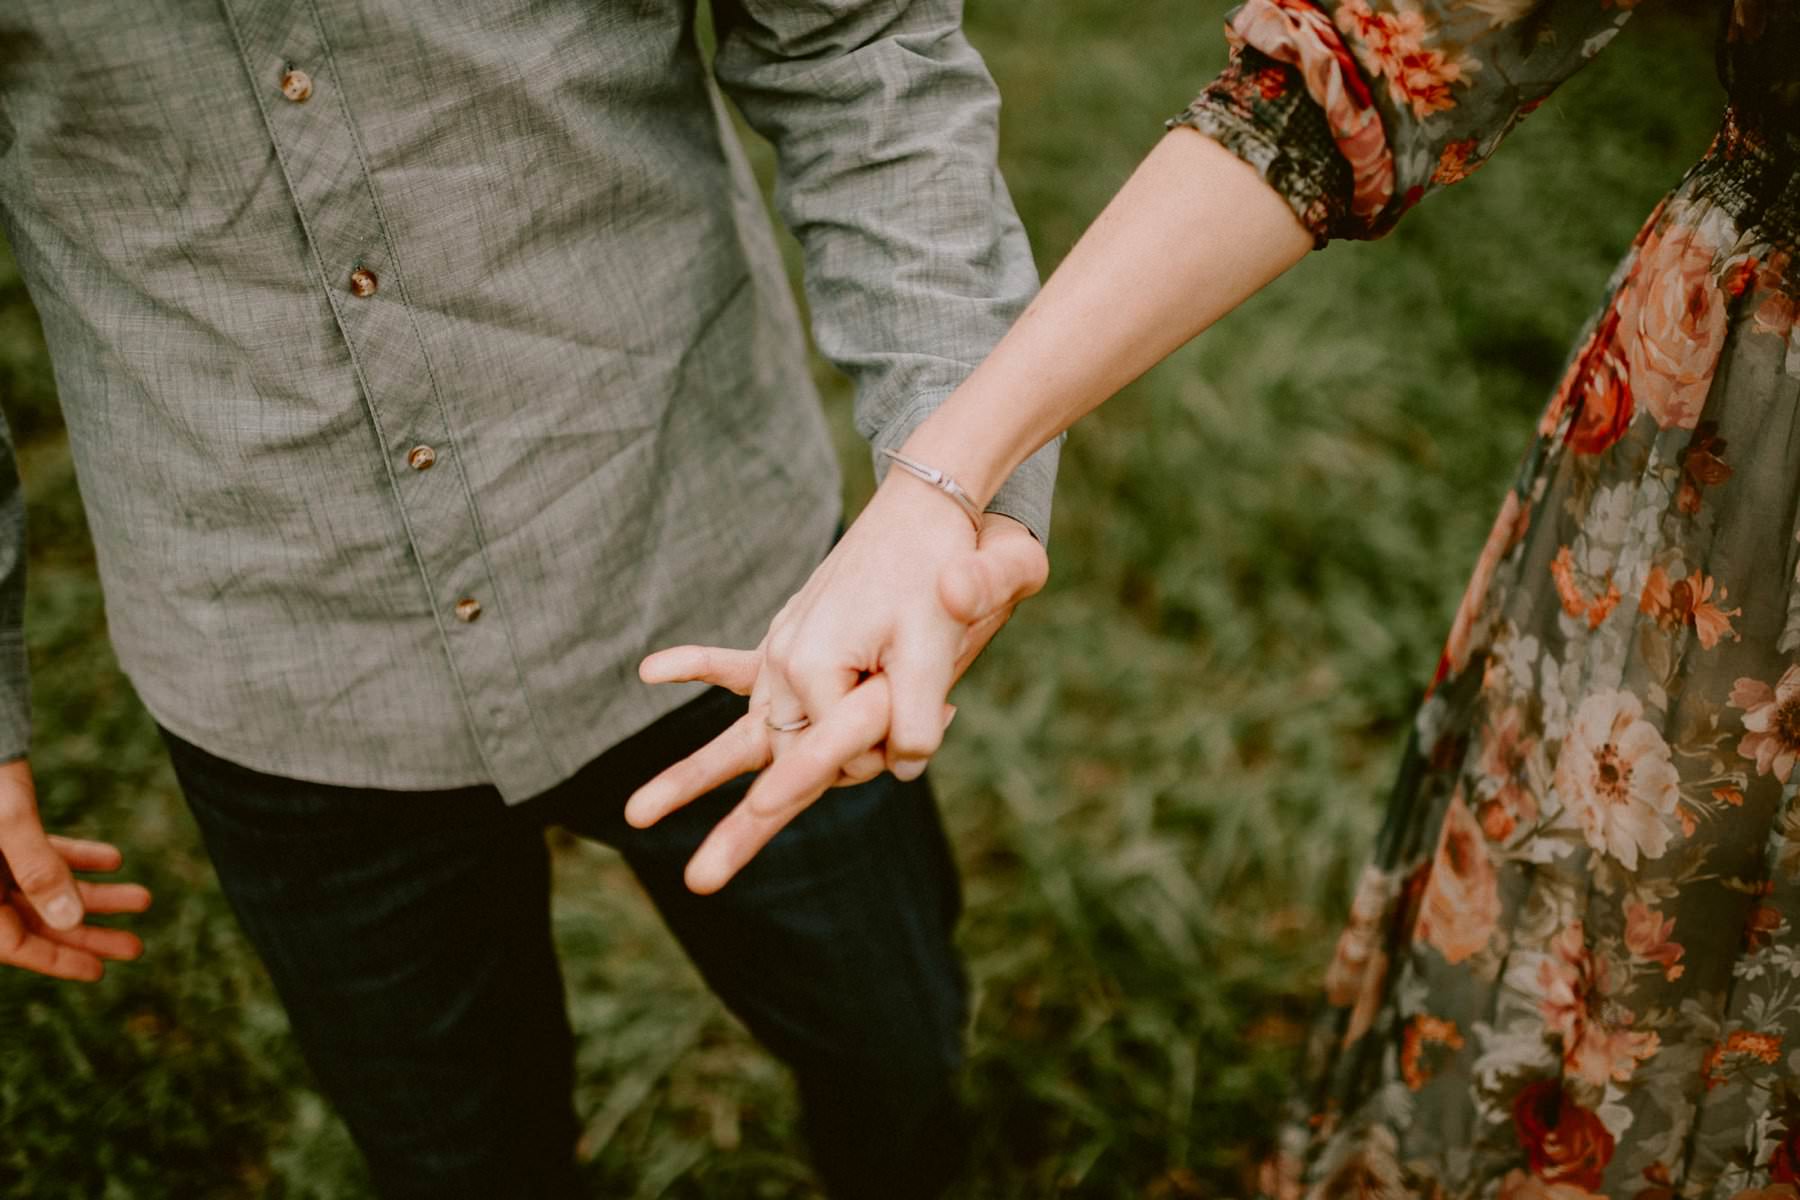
(363, 283)
(420, 458)
(467, 609)
(296, 85)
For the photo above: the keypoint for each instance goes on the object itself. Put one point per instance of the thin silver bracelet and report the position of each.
(938, 480)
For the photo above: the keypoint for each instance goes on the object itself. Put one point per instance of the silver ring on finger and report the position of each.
(793, 726)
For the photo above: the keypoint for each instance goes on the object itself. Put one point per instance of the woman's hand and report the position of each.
(872, 606)
(867, 652)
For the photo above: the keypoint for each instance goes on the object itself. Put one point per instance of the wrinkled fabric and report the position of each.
(574, 299)
(1572, 968)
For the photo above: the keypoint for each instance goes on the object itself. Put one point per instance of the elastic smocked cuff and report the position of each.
(1259, 110)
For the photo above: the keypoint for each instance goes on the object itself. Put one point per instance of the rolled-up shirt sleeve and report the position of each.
(885, 126)
(1355, 110)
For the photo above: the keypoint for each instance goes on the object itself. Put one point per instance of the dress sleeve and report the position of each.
(1354, 110)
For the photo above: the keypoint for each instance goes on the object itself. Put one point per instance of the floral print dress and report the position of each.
(1573, 968)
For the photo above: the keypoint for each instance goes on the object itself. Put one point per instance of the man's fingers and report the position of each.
(732, 669)
(37, 869)
(22, 948)
(741, 748)
(732, 843)
(1007, 566)
(841, 741)
(57, 961)
(812, 762)
(42, 904)
(106, 899)
(117, 944)
(83, 854)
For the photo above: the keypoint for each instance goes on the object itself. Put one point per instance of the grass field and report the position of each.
(1162, 776)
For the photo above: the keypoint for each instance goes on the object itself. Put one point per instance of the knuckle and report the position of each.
(903, 750)
(752, 738)
(780, 651)
(808, 663)
(1034, 577)
(920, 750)
(786, 616)
(862, 768)
(36, 876)
(914, 740)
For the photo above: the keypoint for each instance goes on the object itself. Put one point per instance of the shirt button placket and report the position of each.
(345, 228)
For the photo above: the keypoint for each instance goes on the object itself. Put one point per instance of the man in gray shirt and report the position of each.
(424, 365)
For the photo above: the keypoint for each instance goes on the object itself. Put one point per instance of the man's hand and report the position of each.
(850, 605)
(42, 905)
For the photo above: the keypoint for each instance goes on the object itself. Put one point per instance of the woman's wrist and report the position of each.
(939, 481)
(906, 502)
(974, 455)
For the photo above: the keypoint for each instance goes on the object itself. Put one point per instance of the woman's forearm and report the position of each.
(1192, 234)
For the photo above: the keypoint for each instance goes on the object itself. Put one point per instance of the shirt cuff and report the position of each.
(1026, 494)
(15, 707)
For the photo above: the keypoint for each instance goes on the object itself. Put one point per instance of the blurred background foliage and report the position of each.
(1164, 775)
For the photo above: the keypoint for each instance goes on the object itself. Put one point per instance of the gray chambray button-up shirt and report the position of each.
(427, 363)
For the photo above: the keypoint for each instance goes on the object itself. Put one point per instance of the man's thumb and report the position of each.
(994, 577)
(36, 868)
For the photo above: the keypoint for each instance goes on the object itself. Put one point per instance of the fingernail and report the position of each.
(63, 911)
(909, 769)
(949, 714)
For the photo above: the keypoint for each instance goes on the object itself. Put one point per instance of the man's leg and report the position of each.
(834, 946)
(408, 935)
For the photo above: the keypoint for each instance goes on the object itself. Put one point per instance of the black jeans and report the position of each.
(408, 934)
